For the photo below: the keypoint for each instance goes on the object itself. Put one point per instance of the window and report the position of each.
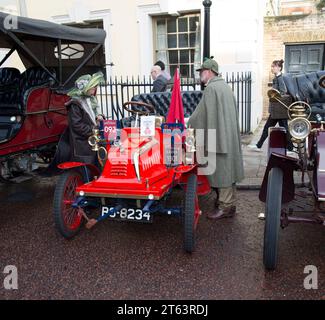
(178, 43)
(70, 51)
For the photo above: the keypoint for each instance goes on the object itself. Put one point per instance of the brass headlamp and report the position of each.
(94, 140)
(299, 112)
(299, 128)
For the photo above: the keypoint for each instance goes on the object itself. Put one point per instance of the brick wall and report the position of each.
(281, 30)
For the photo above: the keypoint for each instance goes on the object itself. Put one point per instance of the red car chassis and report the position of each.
(133, 182)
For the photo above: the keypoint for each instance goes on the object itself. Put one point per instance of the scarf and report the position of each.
(80, 92)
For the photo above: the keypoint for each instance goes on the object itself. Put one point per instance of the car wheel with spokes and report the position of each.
(67, 219)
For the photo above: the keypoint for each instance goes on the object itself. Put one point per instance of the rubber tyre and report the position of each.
(67, 220)
(272, 218)
(189, 214)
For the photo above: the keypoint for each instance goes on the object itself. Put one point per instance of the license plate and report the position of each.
(135, 215)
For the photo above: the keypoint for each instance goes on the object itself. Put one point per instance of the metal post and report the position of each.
(60, 61)
(206, 33)
(206, 37)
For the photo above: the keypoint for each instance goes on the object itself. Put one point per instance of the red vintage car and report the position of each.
(284, 203)
(32, 112)
(139, 168)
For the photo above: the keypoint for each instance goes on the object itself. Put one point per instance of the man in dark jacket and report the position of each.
(160, 82)
(160, 64)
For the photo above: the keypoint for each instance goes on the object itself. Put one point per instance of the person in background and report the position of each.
(217, 111)
(278, 84)
(162, 66)
(160, 82)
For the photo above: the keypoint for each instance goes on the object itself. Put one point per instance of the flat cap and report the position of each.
(209, 64)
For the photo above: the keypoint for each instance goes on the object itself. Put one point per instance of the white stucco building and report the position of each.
(139, 32)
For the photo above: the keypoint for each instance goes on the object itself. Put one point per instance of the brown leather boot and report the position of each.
(222, 213)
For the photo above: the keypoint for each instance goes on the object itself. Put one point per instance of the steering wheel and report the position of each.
(322, 82)
(150, 108)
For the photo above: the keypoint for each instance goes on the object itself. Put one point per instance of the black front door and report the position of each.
(304, 58)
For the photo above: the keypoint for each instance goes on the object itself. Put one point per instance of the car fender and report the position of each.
(288, 166)
(203, 185)
(320, 165)
(72, 165)
(277, 141)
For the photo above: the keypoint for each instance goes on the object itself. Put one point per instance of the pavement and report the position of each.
(254, 162)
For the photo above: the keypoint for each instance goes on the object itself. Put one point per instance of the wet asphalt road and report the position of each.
(135, 261)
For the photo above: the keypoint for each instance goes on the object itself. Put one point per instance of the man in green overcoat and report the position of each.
(217, 114)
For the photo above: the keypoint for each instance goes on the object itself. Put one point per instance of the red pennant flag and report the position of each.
(176, 109)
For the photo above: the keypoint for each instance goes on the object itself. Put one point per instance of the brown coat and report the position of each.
(80, 129)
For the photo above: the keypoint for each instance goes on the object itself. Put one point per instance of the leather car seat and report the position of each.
(305, 87)
(161, 101)
(9, 91)
(32, 78)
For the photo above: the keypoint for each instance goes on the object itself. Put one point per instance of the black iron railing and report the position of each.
(115, 92)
